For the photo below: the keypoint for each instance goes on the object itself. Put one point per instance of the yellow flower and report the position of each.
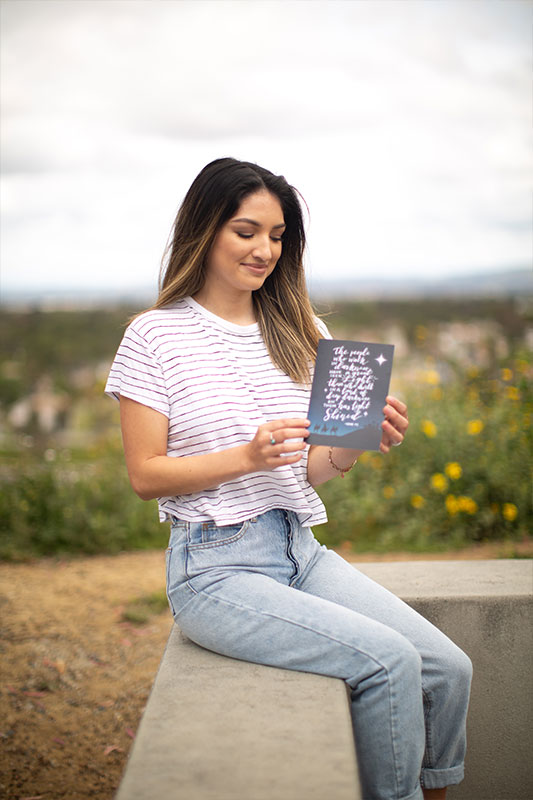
(432, 377)
(512, 393)
(420, 332)
(453, 470)
(417, 501)
(472, 372)
(467, 504)
(388, 492)
(475, 426)
(429, 428)
(451, 504)
(439, 482)
(509, 511)
(507, 374)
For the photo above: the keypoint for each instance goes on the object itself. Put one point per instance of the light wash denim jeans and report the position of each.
(266, 591)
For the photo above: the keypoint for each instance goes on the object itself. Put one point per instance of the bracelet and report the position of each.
(342, 470)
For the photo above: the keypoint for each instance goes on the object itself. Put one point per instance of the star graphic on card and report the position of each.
(381, 359)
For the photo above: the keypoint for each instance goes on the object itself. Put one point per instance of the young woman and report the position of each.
(214, 384)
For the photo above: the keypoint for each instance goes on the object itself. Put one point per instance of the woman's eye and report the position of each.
(277, 238)
(244, 235)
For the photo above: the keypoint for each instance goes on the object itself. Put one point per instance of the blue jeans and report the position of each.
(266, 591)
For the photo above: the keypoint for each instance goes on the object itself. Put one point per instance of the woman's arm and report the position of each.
(154, 474)
(319, 467)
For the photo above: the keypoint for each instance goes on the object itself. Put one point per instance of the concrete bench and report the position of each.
(219, 729)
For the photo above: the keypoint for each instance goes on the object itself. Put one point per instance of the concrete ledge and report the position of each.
(219, 729)
(485, 608)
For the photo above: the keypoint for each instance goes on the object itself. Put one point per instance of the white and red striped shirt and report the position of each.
(216, 383)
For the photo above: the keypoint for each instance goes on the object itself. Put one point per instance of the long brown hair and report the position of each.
(282, 306)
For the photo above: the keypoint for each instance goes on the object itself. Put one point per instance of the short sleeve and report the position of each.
(136, 373)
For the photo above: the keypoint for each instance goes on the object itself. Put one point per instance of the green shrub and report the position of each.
(463, 474)
(74, 507)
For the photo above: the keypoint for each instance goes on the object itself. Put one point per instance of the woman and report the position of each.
(213, 384)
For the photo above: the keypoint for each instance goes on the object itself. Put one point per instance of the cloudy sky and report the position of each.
(405, 124)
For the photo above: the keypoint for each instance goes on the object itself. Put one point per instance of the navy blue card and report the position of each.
(350, 384)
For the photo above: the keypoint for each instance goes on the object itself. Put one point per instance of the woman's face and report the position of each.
(247, 247)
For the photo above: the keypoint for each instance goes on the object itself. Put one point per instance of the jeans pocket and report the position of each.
(205, 535)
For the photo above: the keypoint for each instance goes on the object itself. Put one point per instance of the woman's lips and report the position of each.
(258, 268)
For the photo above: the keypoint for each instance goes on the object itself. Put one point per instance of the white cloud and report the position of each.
(405, 125)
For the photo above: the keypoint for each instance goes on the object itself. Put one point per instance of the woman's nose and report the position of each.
(263, 250)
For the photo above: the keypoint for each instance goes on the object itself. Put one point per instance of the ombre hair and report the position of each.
(282, 306)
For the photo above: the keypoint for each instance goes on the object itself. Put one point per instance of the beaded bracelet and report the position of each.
(340, 469)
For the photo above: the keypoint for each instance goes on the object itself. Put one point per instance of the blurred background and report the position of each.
(406, 127)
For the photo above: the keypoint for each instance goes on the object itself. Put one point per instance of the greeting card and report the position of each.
(350, 384)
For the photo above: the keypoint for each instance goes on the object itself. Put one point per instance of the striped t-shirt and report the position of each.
(216, 383)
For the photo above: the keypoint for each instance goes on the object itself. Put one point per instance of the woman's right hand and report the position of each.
(271, 448)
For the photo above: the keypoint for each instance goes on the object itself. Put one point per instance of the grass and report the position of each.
(141, 609)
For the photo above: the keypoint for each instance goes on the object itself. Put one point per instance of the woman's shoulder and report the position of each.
(151, 323)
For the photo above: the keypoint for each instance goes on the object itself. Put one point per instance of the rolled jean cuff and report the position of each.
(439, 778)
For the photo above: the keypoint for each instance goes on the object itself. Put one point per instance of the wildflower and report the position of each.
(439, 482)
(420, 332)
(453, 470)
(475, 426)
(432, 377)
(451, 504)
(388, 492)
(467, 504)
(512, 393)
(429, 428)
(509, 511)
(417, 501)
(507, 374)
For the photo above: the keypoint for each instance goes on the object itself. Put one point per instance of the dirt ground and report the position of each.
(75, 676)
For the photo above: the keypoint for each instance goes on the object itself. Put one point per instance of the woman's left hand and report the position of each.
(394, 425)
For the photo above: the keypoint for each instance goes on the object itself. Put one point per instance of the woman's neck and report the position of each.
(238, 308)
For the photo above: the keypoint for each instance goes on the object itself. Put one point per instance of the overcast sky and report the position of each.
(406, 125)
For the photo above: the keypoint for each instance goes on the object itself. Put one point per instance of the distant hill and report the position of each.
(504, 283)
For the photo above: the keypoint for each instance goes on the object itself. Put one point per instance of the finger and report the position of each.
(284, 458)
(396, 419)
(283, 434)
(282, 448)
(392, 434)
(397, 405)
(294, 422)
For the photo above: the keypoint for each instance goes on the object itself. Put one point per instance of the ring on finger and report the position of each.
(396, 444)
(272, 440)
